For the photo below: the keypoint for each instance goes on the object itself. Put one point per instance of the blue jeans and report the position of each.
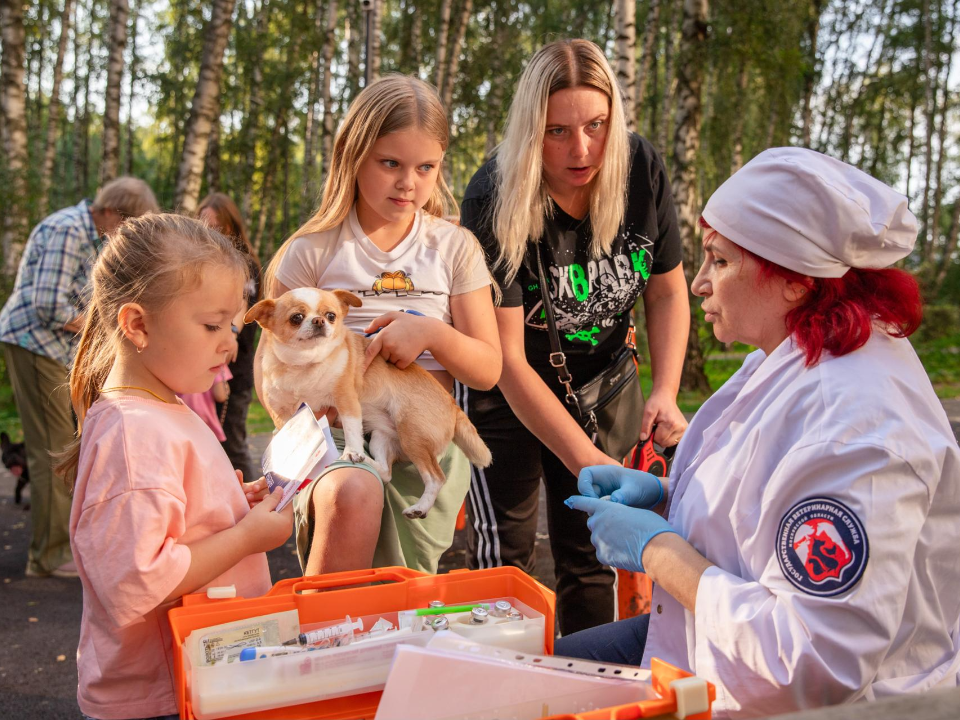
(617, 642)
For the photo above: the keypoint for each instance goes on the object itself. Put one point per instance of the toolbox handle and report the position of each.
(353, 577)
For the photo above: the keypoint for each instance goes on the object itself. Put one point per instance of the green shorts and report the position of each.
(416, 544)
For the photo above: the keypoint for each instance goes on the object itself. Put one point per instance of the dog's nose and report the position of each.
(317, 321)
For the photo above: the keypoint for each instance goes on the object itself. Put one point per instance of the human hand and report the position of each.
(628, 487)
(618, 532)
(661, 410)
(402, 337)
(263, 529)
(254, 491)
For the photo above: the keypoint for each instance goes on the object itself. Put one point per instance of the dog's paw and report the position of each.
(416, 512)
(351, 455)
(386, 471)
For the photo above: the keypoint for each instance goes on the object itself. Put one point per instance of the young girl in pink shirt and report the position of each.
(157, 509)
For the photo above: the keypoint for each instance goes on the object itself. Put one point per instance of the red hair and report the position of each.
(838, 314)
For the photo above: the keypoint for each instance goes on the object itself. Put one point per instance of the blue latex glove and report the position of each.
(628, 487)
(619, 533)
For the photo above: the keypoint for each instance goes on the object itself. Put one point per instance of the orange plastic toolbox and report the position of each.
(664, 675)
(364, 592)
(398, 589)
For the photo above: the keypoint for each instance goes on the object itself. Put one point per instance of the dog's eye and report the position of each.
(331, 317)
(296, 318)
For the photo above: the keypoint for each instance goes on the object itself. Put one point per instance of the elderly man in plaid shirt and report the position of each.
(38, 329)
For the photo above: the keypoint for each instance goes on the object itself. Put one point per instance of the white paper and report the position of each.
(301, 449)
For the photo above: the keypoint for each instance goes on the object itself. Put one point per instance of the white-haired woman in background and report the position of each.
(570, 182)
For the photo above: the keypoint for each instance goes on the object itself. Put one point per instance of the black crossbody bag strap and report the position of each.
(557, 357)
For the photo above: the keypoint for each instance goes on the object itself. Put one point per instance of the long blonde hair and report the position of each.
(391, 104)
(148, 260)
(522, 200)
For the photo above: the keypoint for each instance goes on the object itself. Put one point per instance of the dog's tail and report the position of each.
(466, 438)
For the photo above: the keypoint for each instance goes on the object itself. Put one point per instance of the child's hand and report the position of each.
(255, 491)
(402, 338)
(263, 529)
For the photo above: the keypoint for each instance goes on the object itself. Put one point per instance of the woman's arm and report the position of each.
(674, 564)
(469, 349)
(667, 307)
(534, 403)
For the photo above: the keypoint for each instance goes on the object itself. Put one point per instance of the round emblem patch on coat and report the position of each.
(822, 546)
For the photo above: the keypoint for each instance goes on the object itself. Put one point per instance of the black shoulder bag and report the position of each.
(609, 406)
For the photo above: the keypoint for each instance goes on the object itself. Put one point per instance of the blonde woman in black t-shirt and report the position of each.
(569, 174)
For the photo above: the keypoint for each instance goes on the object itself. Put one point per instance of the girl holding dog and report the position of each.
(380, 233)
(569, 183)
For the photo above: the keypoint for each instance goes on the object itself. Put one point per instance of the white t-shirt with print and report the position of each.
(436, 260)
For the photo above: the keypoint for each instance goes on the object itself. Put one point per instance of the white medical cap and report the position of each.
(812, 214)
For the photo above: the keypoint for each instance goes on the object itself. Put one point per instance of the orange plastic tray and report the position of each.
(398, 589)
(663, 675)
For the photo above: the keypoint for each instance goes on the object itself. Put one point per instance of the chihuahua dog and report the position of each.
(310, 355)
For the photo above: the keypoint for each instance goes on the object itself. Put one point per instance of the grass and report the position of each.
(940, 357)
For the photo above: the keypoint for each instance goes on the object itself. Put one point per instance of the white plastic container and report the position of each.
(525, 635)
(242, 687)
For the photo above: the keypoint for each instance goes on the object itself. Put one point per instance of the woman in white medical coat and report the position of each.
(806, 551)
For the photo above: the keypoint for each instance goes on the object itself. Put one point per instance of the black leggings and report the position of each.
(502, 515)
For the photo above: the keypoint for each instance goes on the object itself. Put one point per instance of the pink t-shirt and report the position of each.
(151, 480)
(205, 406)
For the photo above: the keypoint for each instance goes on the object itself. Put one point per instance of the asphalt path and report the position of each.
(41, 617)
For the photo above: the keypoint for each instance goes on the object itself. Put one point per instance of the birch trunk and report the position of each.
(329, 44)
(686, 149)
(134, 70)
(626, 44)
(53, 111)
(75, 103)
(942, 143)
(411, 59)
(251, 123)
(203, 109)
(646, 61)
(442, 38)
(13, 103)
(82, 129)
(810, 72)
(929, 77)
(373, 62)
(453, 62)
(736, 160)
(117, 36)
(354, 37)
(495, 98)
(212, 164)
(676, 13)
(308, 185)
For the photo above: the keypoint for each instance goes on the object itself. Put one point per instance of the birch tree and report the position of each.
(117, 37)
(686, 146)
(134, 77)
(205, 104)
(453, 52)
(13, 102)
(443, 34)
(329, 44)
(649, 51)
(313, 122)
(53, 110)
(626, 64)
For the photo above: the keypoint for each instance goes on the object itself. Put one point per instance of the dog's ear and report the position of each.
(348, 298)
(262, 312)
(4, 440)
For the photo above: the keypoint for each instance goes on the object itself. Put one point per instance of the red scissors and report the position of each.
(646, 458)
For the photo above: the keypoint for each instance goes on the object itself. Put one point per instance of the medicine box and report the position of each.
(342, 682)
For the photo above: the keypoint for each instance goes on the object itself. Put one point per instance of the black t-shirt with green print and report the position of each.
(592, 298)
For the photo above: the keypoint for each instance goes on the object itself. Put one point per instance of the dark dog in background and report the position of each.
(15, 460)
